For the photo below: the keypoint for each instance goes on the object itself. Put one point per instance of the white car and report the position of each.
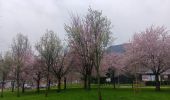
(27, 86)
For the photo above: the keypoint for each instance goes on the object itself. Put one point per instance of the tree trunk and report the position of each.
(23, 87)
(132, 84)
(59, 84)
(89, 82)
(18, 94)
(65, 83)
(2, 88)
(114, 83)
(157, 82)
(85, 81)
(47, 84)
(12, 84)
(38, 85)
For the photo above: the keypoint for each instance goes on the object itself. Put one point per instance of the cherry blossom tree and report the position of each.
(149, 50)
(26, 70)
(112, 65)
(81, 43)
(5, 67)
(90, 36)
(48, 48)
(62, 65)
(38, 71)
(100, 29)
(20, 49)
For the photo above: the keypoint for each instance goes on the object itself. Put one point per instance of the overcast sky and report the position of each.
(33, 17)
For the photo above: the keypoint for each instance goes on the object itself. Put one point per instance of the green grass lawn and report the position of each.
(108, 93)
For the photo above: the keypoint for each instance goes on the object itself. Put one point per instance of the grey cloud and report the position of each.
(33, 17)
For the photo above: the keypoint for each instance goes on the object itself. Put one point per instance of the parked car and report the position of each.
(27, 86)
(43, 86)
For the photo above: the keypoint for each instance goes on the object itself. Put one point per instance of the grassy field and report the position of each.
(76, 93)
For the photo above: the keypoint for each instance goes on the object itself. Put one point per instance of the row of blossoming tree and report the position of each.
(85, 52)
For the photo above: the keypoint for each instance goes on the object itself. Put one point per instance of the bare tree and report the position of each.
(20, 49)
(48, 47)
